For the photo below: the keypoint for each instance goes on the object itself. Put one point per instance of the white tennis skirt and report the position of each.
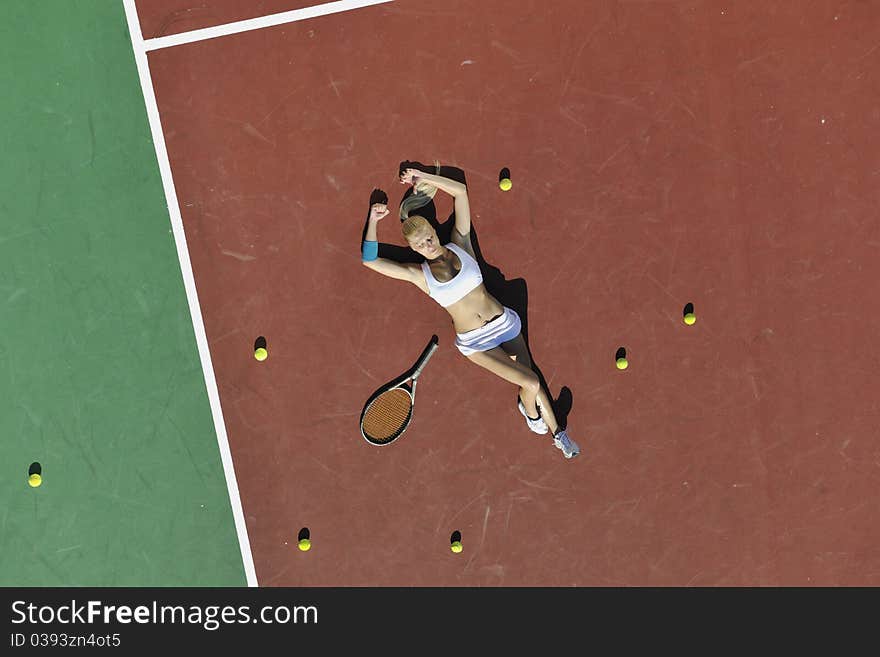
(501, 329)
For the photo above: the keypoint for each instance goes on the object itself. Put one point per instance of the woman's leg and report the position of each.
(498, 362)
(518, 351)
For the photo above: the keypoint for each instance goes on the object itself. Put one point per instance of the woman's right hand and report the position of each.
(378, 211)
(408, 176)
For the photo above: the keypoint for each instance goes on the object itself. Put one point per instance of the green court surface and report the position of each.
(101, 379)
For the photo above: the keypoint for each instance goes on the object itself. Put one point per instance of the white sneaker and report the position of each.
(567, 445)
(538, 426)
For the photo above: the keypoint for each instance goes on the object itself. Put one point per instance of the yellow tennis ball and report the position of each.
(622, 363)
(690, 318)
(35, 480)
(304, 544)
(456, 546)
(505, 184)
(261, 354)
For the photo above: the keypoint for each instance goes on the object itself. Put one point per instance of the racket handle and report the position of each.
(432, 347)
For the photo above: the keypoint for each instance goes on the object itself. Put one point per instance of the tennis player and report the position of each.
(487, 333)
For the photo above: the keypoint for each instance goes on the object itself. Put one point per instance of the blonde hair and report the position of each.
(423, 192)
(414, 223)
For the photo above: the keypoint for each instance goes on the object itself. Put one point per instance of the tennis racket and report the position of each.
(389, 410)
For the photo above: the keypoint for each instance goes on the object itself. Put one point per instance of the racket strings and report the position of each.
(387, 415)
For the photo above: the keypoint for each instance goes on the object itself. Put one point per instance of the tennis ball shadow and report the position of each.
(456, 536)
(303, 533)
(688, 308)
(259, 343)
(35, 468)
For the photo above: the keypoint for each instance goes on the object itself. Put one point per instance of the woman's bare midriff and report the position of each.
(475, 309)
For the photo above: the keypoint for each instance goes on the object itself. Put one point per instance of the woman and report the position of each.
(487, 333)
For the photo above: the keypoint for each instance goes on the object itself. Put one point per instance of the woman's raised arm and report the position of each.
(457, 190)
(370, 250)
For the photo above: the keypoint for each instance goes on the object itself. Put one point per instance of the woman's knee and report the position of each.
(531, 384)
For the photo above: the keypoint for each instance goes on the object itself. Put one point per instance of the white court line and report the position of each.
(140, 55)
(257, 23)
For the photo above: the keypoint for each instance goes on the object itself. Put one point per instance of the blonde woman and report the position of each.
(487, 333)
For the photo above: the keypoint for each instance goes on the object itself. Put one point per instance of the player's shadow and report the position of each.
(511, 293)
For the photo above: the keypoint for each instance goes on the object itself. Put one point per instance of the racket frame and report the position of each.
(400, 383)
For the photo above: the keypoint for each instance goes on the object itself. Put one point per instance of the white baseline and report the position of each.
(140, 55)
(257, 23)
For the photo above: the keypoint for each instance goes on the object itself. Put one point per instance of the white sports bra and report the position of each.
(467, 278)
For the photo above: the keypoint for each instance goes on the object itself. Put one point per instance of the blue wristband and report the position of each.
(370, 251)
